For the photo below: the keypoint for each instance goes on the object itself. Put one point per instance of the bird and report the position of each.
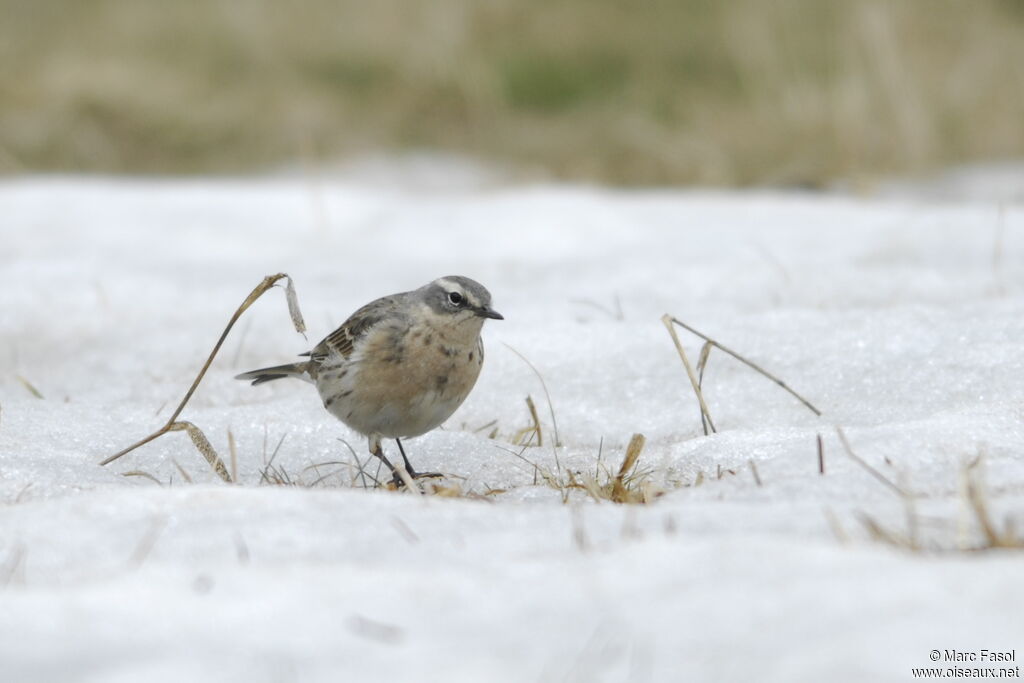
(399, 366)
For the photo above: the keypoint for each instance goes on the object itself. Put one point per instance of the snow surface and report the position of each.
(901, 319)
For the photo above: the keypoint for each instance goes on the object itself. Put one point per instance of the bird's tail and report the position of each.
(299, 370)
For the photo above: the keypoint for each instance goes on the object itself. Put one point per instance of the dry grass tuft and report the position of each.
(629, 484)
(913, 537)
(994, 536)
(987, 535)
(526, 435)
(624, 486)
(196, 434)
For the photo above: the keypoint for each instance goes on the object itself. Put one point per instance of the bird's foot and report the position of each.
(398, 481)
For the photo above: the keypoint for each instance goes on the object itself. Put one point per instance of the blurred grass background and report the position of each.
(790, 92)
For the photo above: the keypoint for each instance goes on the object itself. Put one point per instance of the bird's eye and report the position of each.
(455, 298)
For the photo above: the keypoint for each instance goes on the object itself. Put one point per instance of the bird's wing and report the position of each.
(343, 339)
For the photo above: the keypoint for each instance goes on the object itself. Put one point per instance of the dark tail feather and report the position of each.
(262, 375)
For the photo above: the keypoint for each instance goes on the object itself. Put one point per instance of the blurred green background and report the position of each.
(788, 92)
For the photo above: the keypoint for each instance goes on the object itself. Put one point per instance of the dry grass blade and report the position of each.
(972, 492)
(28, 385)
(702, 361)
(579, 532)
(410, 483)
(404, 530)
(144, 475)
(202, 444)
(753, 471)
(705, 414)
(14, 562)
(863, 463)
(821, 454)
(880, 533)
(489, 425)
(627, 485)
(181, 470)
(669, 321)
(913, 523)
(551, 408)
(525, 435)
(271, 474)
(633, 449)
(621, 494)
(147, 542)
(374, 631)
(536, 421)
(293, 306)
(976, 500)
(554, 481)
(977, 503)
(702, 364)
(241, 549)
(534, 466)
(588, 484)
(233, 452)
(276, 476)
(320, 478)
(614, 311)
(836, 526)
(21, 494)
(256, 293)
(360, 467)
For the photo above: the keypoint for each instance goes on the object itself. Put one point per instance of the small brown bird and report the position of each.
(400, 365)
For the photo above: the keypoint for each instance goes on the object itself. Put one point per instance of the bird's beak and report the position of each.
(488, 312)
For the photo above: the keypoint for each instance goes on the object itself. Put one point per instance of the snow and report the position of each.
(899, 317)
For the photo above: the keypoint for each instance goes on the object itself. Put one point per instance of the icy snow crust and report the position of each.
(900, 320)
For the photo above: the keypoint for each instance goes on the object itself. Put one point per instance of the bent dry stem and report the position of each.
(198, 438)
(697, 382)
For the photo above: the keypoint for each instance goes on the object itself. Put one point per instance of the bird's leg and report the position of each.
(377, 450)
(408, 466)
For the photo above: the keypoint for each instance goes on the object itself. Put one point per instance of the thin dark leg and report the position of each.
(408, 465)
